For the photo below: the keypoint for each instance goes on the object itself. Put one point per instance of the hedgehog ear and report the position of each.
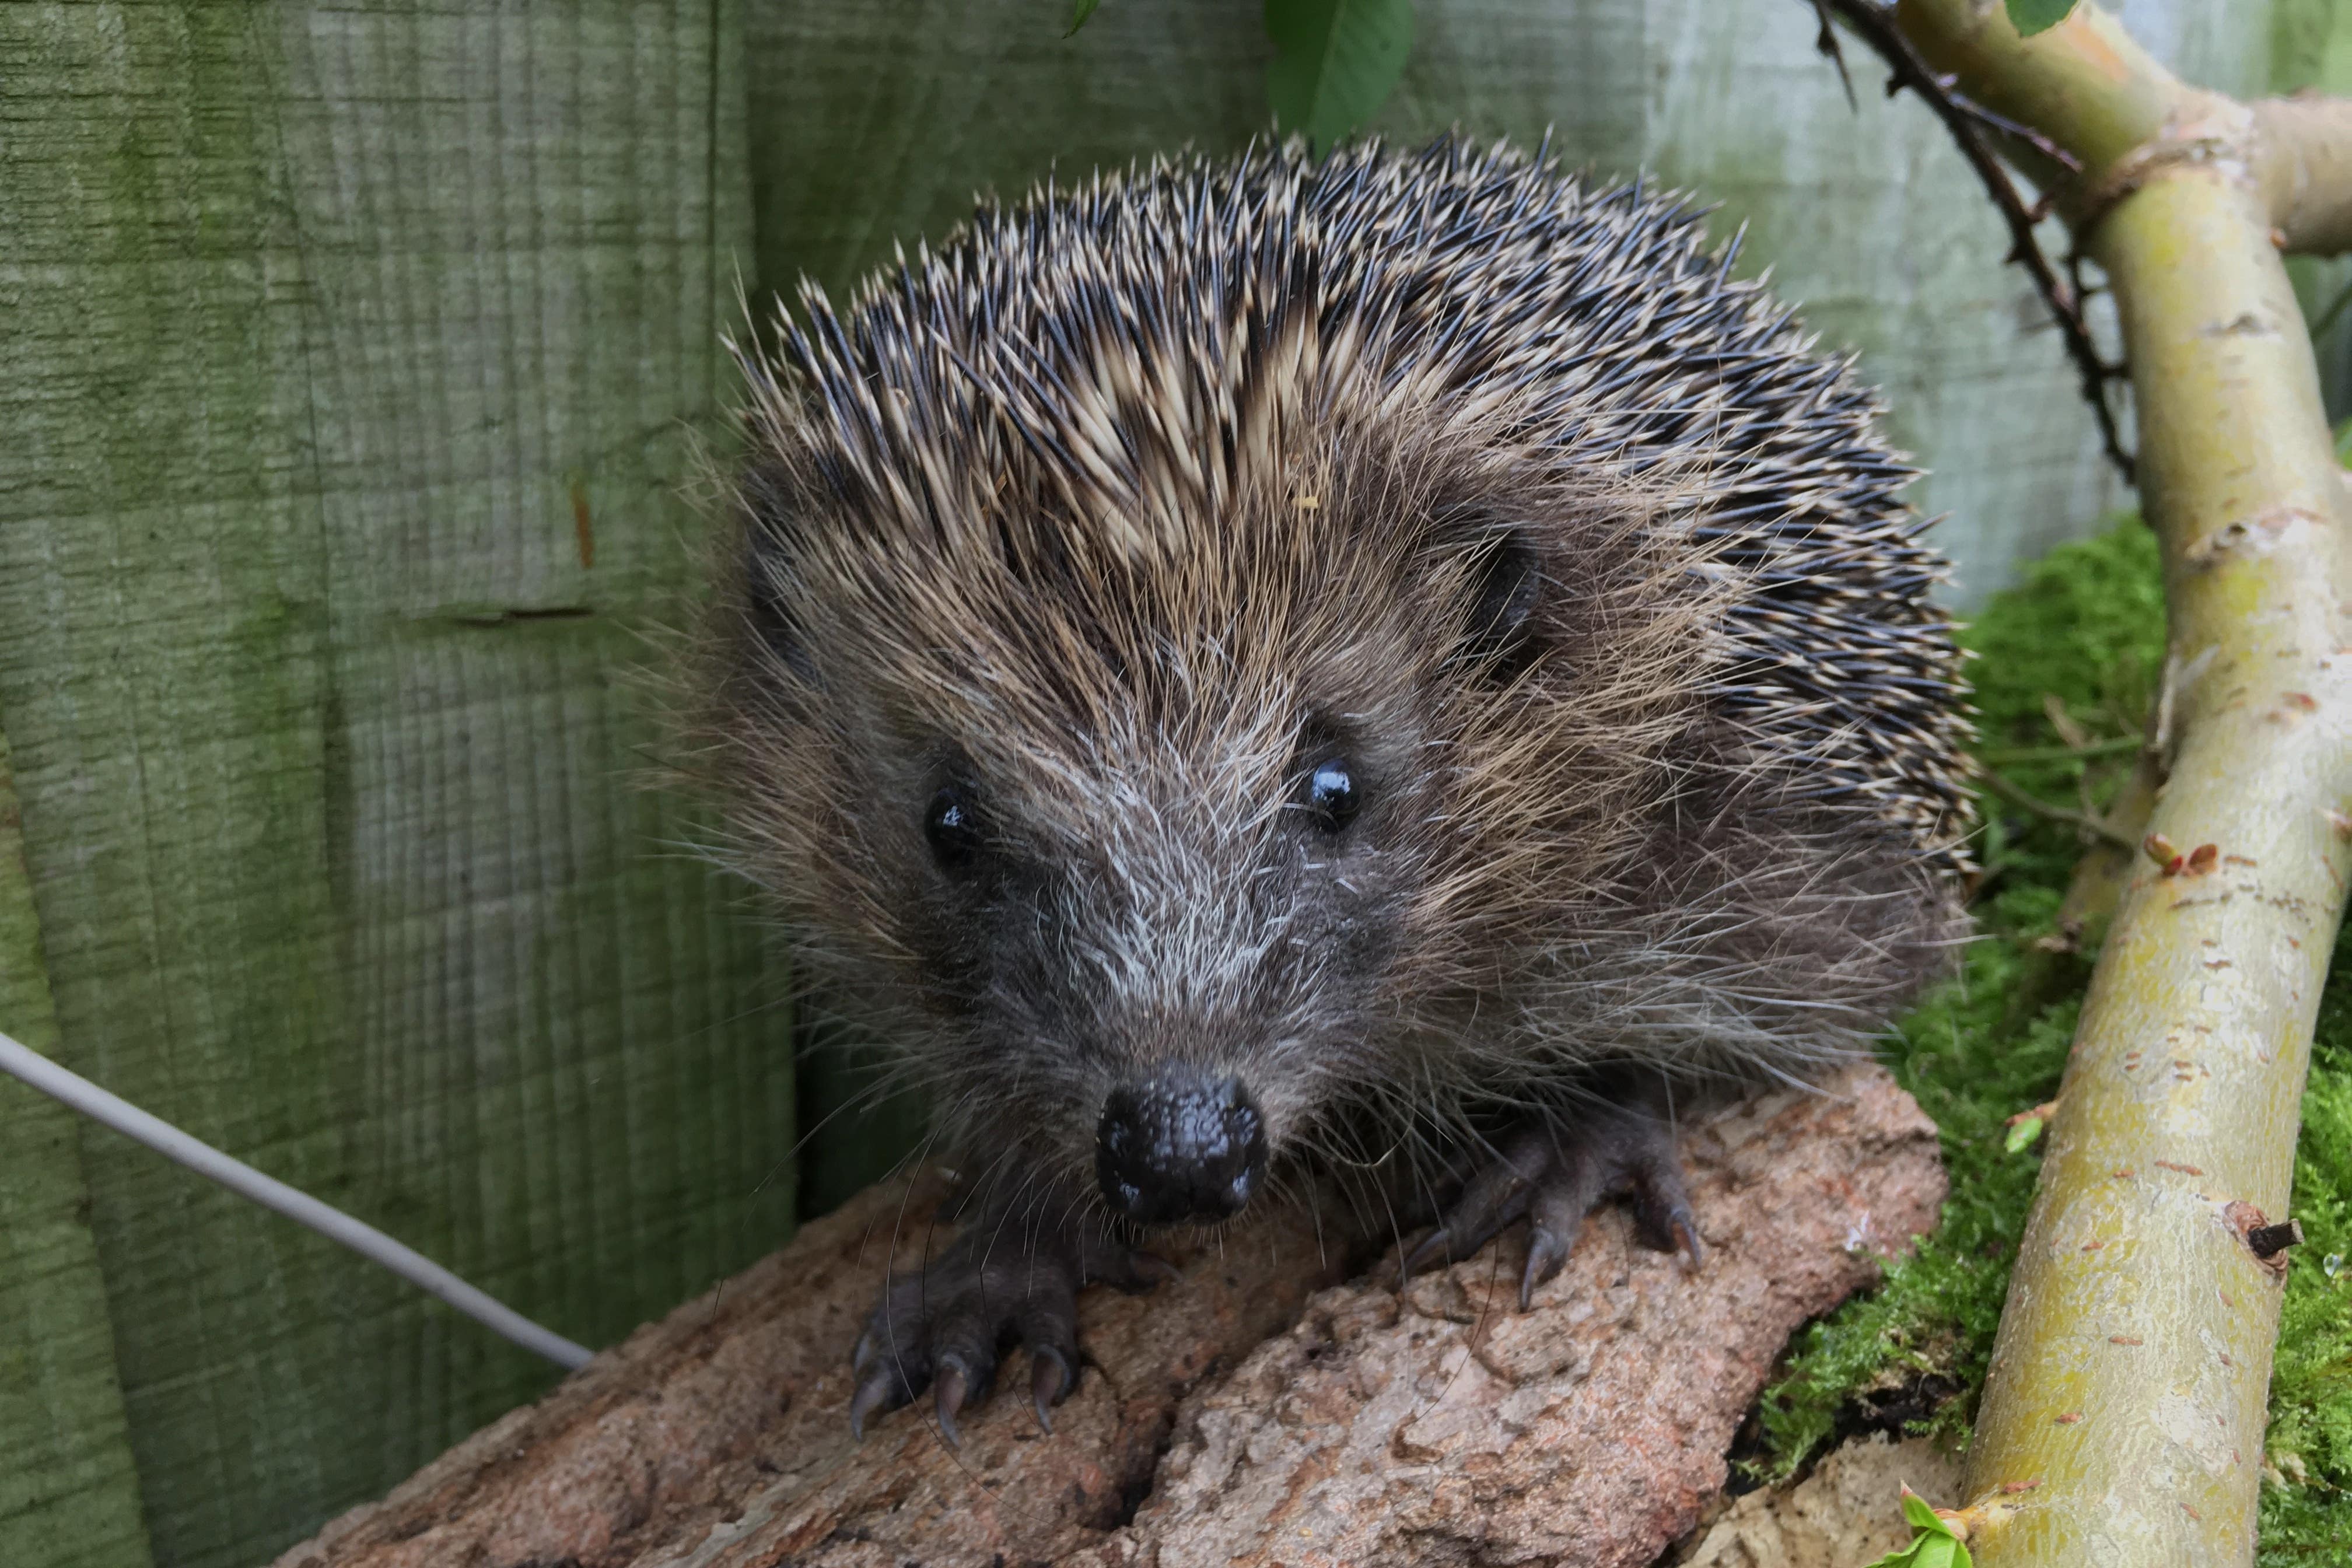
(777, 630)
(768, 612)
(1505, 592)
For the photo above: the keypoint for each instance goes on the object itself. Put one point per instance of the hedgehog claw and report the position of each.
(939, 1328)
(1499, 1194)
(950, 1384)
(1556, 1171)
(1662, 1208)
(1547, 1250)
(1685, 1232)
(1436, 1244)
(1049, 1382)
(874, 1393)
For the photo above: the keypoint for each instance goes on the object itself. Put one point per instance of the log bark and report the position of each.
(2122, 1419)
(1370, 1428)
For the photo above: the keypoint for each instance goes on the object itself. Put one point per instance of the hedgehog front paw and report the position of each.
(944, 1326)
(1555, 1170)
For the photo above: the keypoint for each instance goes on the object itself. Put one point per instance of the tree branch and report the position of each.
(2123, 1416)
(2306, 171)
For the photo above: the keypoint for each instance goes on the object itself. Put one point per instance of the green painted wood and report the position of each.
(353, 357)
(69, 1490)
(872, 125)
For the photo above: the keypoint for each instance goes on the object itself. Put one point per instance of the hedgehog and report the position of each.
(1396, 661)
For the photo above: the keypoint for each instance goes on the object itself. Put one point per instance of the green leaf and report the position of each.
(1926, 1552)
(1933, 1547)
(1921, 1516)
(1080, 11)
(1336, 62)
(2021, 1136)
(2031, 16)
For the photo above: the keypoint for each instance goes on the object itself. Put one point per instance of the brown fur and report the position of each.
(1131, 503)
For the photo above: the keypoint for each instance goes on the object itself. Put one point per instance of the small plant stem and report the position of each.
(2082, 821)
(2013, 754)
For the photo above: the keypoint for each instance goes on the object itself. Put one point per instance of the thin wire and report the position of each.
(23, 1062)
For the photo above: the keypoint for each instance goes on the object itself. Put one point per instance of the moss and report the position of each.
(2069, 657)
(2310, 1441)
(2072, 654)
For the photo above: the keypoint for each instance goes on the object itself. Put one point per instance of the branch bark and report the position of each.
(2123, 1417)
(2307, 173)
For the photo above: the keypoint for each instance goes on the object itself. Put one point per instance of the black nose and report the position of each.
(1179, 1146)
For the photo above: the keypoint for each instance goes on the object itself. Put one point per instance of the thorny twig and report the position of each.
(1827, 42)
(2008, 127)
(1870, 21)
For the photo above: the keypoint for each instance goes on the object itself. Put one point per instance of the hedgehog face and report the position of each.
(1146, 950)
(1153, 861)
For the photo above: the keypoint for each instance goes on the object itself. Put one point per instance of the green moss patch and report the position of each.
(2067, 664)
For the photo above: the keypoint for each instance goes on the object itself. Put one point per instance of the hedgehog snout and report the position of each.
(1179, 1146)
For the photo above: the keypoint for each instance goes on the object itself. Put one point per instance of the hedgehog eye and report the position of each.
(952, 827)
(1331, 797)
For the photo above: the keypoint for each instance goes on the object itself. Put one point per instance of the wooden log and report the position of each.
(1373, 1427)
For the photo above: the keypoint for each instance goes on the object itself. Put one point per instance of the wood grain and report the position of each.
(327, 326)
(69, 1491)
